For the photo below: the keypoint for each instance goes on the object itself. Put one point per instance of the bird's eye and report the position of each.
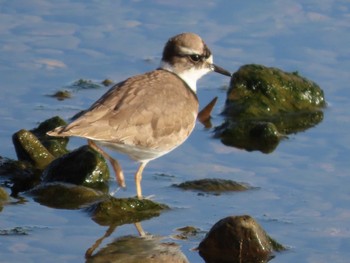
(195, 57)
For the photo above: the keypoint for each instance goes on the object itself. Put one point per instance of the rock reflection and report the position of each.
(132, 249)
(119, 211)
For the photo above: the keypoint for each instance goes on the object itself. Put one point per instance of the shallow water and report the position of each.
(302, 198)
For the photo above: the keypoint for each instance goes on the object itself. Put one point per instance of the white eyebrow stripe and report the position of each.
(188, 51)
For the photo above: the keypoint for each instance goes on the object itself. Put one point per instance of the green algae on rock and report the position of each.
(213, 185)
(81, 166)
(61, 95)
(264, 104)
(38, 148)
(256, 91)
(119, 211)
(30, 149)
(107, 82)
(56, 145)
(238, 239)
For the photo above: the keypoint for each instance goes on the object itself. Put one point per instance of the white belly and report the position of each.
(134, 152)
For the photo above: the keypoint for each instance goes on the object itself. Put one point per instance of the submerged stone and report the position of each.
(238, 239)
(30, 149)
(81, 166)
(16, 231)
(213, 185)
(62, 95)
(187, 232)
(84, 84)
(131, 249)
(64, 196)
(113, 211)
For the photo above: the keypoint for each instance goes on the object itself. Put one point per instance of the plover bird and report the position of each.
(148, 115)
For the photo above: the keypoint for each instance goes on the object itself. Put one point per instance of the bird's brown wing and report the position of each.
(155, 110)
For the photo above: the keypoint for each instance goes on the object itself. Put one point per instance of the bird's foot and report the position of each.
(149, 197)
(112, 193)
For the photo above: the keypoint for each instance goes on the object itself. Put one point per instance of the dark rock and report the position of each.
(213, 185)
(113, 211)
(131, 249)
(237, 239)
(20, 175)
(64, 196)
(81, 166)
(29, 148)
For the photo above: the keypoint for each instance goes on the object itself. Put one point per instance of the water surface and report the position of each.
(303, 196)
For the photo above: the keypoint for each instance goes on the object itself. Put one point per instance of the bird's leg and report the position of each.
(138, 178)
(115, 165)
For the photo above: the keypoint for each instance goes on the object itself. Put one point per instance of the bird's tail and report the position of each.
(58, 132)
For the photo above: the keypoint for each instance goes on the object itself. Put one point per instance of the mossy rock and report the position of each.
(30, 149)
(55, 145)
(64, 196)
(107, 82)
(213, 186)
(61, 95)
(81, 166)
(264, 104)
(257, 91)
(36, 147)
(238, 239)
(113, 211)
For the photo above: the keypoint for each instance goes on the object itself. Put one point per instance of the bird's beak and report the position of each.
(220, 70)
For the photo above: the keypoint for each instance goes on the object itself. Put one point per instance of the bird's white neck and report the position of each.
(189, 76)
